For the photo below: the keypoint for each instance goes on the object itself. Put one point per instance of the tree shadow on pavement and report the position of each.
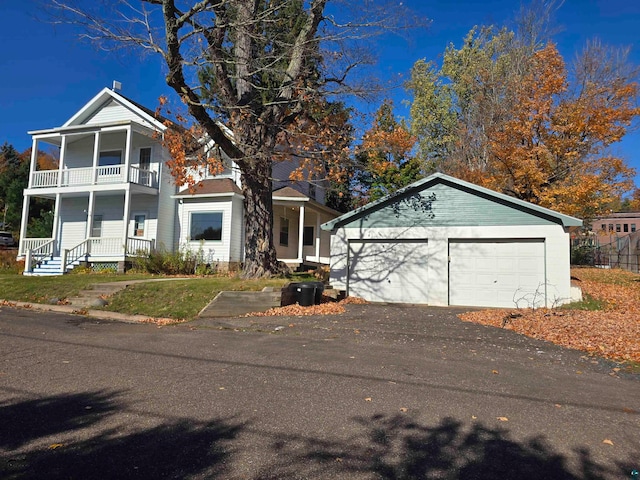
(26, 420)
(397, 447)
(172, 449)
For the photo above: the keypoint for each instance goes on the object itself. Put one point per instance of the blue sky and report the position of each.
(47, 73)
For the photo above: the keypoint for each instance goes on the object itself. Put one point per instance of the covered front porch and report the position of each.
(300, 242)
(90, 229)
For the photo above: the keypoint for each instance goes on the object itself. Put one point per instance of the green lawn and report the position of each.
(41, 289)
(179, 298)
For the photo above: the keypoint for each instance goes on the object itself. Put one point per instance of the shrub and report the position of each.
(181, 262)
(8, 262)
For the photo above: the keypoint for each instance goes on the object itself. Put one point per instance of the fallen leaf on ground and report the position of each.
(503, 419)
(607, 441)
(612, 332)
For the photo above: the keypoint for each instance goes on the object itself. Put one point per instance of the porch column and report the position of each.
(96, 156)
(90, 207)
(126, 216)
(127, 155)
(56, 223)
(318, 237)
(301, 234)
(63, 152)
(23, 222)
(34, 161)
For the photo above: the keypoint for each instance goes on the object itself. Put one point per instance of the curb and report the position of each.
(102, 314)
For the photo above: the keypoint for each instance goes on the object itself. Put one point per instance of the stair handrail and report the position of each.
(69, 256)
(43, 251)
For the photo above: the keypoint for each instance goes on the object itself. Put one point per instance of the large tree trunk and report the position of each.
(260, 251)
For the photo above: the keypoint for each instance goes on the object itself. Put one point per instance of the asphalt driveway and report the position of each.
(384, 392)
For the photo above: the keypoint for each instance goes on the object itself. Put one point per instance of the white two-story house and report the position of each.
(115, 198)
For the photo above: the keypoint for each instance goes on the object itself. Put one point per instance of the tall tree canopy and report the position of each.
(14, 178)
(254, 76)
(504, 112)
(385, 158)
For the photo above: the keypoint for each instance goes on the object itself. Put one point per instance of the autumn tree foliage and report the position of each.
(14, 178)
(503, 113)
(254, 77)
(385, 158)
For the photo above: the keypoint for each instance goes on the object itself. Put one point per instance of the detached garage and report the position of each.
(443, 241)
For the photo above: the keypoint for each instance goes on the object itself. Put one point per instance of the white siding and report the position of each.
(218, 250)
(147, 205)
(114, 111)
(79, 152)
(556, 240)
(73, 221)
(111, 208)
(290, 251)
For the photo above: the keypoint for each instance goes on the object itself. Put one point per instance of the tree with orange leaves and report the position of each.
(508, 118)
(385, 157)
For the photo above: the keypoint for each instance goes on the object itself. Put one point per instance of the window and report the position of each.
(111, 157)
(145, 158)
(138, 225)
(307, 236)
(312, 191)
(96, 226)
(617, 227)
(206, 226)
(604, 227)
(625, 227)
(633, 227)
(611, 227)
(284, 232)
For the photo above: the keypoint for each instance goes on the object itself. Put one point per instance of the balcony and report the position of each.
(106, 175)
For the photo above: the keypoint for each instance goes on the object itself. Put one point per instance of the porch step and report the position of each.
(50, 267)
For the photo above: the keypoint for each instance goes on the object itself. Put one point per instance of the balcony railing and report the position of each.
(110, 174)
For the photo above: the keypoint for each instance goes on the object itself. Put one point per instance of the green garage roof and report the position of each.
(440, 200)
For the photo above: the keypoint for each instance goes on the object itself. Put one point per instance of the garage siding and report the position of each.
(435, 271)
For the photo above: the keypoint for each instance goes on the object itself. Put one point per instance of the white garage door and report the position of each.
(496, 273)
(384, 271)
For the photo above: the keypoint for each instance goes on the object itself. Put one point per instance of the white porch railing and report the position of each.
(148, 178)
(104, 175)
(139, 246)
(105, 246)
(33, 244)
(38, 254)
(74, 254)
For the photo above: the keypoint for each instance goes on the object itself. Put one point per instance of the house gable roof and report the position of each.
(210, 188)
(441, 200)
(107, 96)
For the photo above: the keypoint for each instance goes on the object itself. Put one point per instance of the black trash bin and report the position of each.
(306, 294)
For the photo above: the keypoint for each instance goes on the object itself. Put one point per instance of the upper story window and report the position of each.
(604, 226)
(145, 158)
(110, 157)
(611, 227)
(618, 227)
(633, 227)
(625, 227)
